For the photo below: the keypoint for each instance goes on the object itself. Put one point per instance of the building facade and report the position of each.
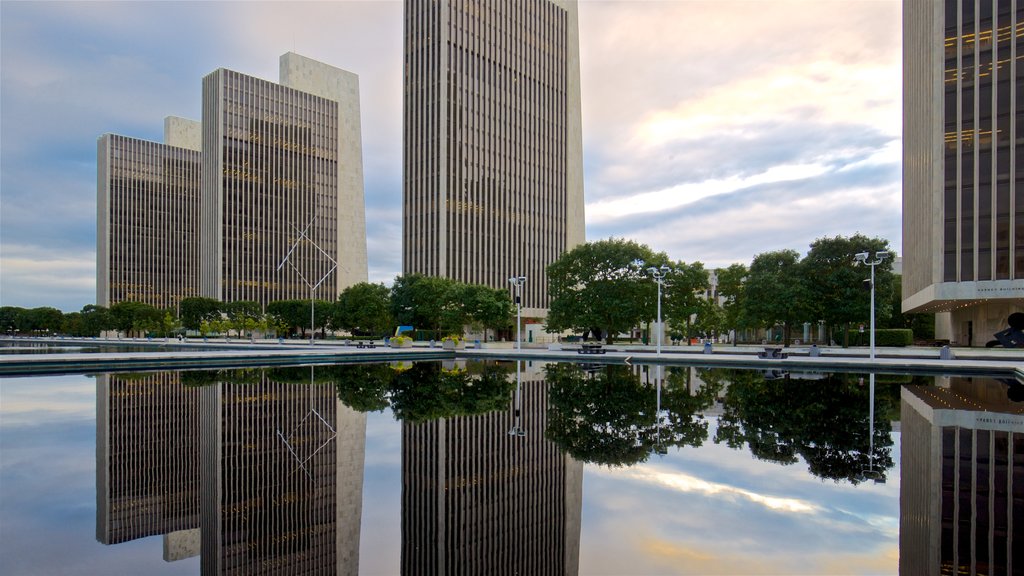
(282, 194)
(147, 460)
(963, 163)
(261, 201)
(962, 479)
(147, 240)
(492, 141)
(489, 494)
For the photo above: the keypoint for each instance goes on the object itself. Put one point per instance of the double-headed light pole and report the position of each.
(659, 276)
(862, 258)
(518, 282)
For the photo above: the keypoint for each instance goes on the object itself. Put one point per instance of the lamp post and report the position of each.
(659, 276)
(862, 258)
(518, 281)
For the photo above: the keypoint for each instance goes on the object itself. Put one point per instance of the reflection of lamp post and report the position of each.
(659, 276)
(870, 472)
(518, 281)
(862, 258)
(517, 428)
(661, 450)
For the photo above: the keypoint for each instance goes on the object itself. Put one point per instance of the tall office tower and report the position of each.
(493, 153)
(963, 162)
(147, 461)
(147, 240)
(480, 498)
(282, 476)
(961, 479)
(282, 183)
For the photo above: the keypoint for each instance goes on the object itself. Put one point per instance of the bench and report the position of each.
(365, 344)
(590, 348)
(771, 353)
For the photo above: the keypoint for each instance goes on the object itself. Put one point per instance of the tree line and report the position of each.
(601, 287)
(605, 287)
(435, 306)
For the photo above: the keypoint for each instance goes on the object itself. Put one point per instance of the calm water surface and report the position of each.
(482, 469)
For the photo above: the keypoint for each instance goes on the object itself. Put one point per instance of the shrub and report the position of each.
(883, 337)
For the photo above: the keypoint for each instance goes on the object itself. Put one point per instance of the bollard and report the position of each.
(946, 354)
(707, 347)
(814, 352)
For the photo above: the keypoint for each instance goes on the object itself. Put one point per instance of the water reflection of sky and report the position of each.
(708, 510)
(714, 510)
(48, 485)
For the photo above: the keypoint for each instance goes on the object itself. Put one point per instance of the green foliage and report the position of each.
(485, 307)
(922, 325)
(774, 292)
(883, 337)
(682, 295)
(136, 318)
(192, 311)
(598, 285)
(835, 287)
(425, 302)
(291, 314)
(364, 309)
(731, 289)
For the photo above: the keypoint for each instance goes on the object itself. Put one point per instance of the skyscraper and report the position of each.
(282, 178)
(261, 201)
(963, 163)
(147, 240)
(492, 158)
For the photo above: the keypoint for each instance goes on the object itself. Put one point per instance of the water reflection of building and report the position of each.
(479, 500)
(147, 461)
(265, 477)
(282, 472)
(962, 479)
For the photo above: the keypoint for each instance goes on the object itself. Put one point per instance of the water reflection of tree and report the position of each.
(824, 421)
(608, 416)
(428, 392)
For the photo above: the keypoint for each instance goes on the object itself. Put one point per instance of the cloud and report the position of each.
(32, 276)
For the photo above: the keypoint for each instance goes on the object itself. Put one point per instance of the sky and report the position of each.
(713, 130)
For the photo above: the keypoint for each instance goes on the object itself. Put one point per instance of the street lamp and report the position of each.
(518, 282)
(659, 276)
(862, 258)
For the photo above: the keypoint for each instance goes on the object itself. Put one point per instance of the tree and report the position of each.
(131, 317)
(45, 319)
(424, 302)
(683, 294)
(834, 287)
(774, 290)
(292, 314)
(922, 325)
(194, 310)
(486, 307)
(731, 282)
(599, 285)
(95, 319)
(364, 308)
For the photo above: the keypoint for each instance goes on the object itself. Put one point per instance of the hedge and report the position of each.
(883, 337)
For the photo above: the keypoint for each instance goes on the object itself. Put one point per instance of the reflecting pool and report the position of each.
(498, 468)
